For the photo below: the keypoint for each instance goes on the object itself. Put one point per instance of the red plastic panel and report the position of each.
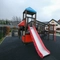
(26, 38)
(22, 23)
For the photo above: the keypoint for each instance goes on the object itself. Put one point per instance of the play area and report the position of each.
(34, 40)
(33, 31)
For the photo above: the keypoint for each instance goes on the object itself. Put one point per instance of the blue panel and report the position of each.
(30, 10)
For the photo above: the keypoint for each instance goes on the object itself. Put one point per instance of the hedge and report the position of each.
(4, 31)
(1, 34)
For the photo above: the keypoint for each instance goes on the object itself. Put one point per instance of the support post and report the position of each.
(35, 21)
(54, 33)
(48, 31)
(23, 15)
(25, 23)
(32, 20)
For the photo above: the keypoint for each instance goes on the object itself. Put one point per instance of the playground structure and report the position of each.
(30, 34)
(40, 26)
(52, 30)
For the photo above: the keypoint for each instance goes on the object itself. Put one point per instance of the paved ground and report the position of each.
(12, 48)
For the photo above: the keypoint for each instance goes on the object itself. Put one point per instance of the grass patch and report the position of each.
(1, 40)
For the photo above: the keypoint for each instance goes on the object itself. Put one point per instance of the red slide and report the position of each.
(39, 45)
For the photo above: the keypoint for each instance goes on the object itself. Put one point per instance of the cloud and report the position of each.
(49, 10)
(10, 8)
(46, 9)
(56, 15)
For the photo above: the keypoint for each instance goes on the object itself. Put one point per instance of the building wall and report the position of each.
(57, 26)
(53, 22)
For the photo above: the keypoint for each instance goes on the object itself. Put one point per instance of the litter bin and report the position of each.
(12, 33)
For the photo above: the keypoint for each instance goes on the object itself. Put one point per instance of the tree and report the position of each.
(16, 19)
(6, 21)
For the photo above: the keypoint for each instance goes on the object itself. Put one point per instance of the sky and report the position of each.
(46, 9)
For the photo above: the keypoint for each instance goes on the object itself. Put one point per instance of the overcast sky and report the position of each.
(46, 9)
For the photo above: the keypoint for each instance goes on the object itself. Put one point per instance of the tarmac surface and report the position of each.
(13, 48)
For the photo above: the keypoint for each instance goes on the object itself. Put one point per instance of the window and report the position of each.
(52, 21)
(58, 29)
(56, 24)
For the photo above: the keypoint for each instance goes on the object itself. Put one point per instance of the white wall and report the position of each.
(56, 25)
